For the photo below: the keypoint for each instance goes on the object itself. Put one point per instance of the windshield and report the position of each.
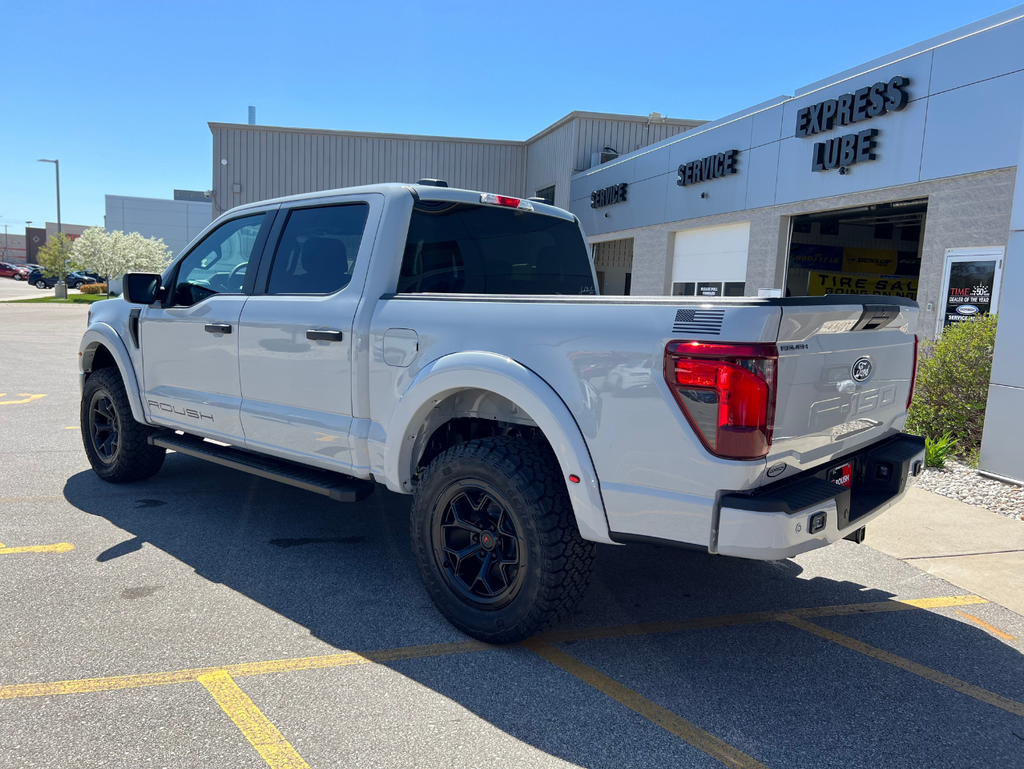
(460, 248)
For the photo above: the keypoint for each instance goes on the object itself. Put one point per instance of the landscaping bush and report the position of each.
(93, 288)
(952, 384)
(936, 452)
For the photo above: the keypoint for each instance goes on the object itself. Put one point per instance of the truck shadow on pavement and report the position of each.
(779, 694)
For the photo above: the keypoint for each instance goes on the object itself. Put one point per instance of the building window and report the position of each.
(684, 289)
(548, 193)
(734, 289)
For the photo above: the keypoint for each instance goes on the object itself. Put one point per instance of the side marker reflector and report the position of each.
(574, 478)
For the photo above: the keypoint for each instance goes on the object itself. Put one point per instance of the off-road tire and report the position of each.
(558, 561)
(133, 459)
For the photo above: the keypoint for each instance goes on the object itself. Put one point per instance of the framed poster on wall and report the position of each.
(970, 284)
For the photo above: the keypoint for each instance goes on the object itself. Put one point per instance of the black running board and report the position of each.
(338, 487)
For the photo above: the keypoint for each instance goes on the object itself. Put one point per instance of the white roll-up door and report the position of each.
(711, 261)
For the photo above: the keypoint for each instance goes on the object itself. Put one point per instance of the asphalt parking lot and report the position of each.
(205, 618)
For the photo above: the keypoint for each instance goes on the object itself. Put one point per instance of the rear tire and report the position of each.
(117, 445)
(496, 541)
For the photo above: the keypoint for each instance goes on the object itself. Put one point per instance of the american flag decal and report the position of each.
(698, 321)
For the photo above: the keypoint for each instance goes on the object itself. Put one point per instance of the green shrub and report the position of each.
(936, 452)
(93, 288)
(952, 384)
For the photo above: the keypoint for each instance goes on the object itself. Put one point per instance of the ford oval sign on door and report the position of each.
(967, 309)
(862, 369)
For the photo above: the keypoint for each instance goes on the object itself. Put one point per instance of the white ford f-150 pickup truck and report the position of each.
(450, 345)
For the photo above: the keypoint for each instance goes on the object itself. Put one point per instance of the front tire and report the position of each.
(40, 284)
(496, 541)
(17, 276)
(117, 445)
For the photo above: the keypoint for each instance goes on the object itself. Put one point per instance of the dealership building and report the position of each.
(894, 178)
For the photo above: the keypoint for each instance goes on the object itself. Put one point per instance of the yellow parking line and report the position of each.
(984, 695)
(701, 623)
(60, 547)
(111, 683)
(257, 728)
(666, 719)
(938, 603)
(73, 427)
(25, 398)
(990, 628)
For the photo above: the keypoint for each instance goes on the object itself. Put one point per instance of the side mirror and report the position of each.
(141, 287)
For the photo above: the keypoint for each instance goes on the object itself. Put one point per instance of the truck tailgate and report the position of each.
(844, 377)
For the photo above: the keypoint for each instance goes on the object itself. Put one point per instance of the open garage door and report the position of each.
(867, 250)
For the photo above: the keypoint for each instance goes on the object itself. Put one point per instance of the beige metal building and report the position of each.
(252, 162)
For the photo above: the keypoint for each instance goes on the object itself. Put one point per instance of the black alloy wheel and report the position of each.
(478, 546)
(495, 538)
(104, 426)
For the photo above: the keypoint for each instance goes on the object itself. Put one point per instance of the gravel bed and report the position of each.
(960, 482)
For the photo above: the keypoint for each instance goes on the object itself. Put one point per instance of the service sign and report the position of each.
(970, 290)
(824, 283)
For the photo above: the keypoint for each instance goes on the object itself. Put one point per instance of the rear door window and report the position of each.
(318, 248)
(462, 248)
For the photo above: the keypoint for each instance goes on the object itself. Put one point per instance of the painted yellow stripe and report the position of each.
(111, 683)
(60, 547)
(666, 719)
(24, 398)
(939, 603)
(990, 628)
(983, 695)
(73, 427)
(257, 728)
(700, 623)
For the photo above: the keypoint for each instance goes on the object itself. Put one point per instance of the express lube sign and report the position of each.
(847, 110)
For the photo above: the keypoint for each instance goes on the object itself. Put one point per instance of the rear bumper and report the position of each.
(784, 519)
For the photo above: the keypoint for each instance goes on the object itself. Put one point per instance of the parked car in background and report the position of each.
(74, 279)
(39, 280)
(16, 271)
(79, 278)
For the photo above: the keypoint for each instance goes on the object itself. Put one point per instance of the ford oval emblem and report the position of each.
(777, 469)
(862, 369)
(967, 309)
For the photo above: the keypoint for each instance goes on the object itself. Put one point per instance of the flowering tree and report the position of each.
(112, 254)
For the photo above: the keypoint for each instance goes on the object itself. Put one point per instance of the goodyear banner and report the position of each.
(822, 283)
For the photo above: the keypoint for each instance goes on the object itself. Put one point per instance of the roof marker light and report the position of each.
(507, 202)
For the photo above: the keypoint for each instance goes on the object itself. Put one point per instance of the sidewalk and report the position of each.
(973, 548)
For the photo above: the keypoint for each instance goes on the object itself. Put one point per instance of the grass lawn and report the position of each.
(72, 299)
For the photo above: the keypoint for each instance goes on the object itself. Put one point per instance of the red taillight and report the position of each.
(913, 374)
(727, 393)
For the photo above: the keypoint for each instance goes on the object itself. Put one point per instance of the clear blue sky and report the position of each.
(121, 92)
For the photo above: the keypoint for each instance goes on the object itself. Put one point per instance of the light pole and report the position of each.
(56, 166)
(64, 266)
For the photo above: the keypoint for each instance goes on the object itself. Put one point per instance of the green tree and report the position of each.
(55, 255)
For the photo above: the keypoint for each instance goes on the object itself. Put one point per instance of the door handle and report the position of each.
(218, 328)
(318, 335)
